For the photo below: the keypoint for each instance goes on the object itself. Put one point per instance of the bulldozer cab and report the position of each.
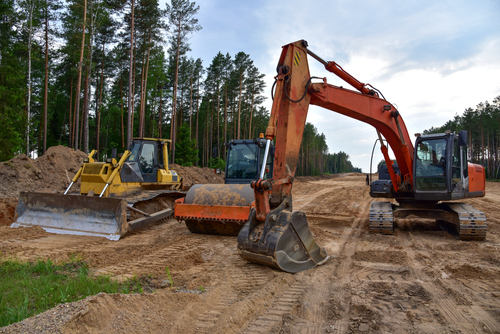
(441, 166)
(244, 161)
(145, 160)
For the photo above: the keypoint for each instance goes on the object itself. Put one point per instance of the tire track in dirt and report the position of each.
(301, 203)
(241, 281)
(344, 271)
(150, 263)
(452, 311)
(280, 307)
(320, 292)
(50, 247)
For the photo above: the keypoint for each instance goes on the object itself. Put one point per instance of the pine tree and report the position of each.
(182, 24)
(187, 154)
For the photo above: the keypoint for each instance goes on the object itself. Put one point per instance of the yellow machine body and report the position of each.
(141, 174)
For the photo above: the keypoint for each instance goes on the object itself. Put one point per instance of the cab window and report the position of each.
(431, 165)
(146, 160)
(133, 157)
(242, 162)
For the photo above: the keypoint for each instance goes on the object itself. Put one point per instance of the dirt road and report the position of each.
(421, 280)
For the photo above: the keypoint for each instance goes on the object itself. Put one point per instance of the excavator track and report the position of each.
(381, 218)
(469, 222)
(472, 222)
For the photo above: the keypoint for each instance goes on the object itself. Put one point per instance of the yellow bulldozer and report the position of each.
(113, 194)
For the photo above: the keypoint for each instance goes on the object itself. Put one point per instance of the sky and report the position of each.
(431, 59)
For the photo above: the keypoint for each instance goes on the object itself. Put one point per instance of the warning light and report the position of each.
(261, 135)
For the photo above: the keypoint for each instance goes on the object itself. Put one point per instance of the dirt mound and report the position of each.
(52, 172)
(197, 175)
(7, 210)
(466, 271)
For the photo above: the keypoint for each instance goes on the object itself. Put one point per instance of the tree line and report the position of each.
(314, 158)
(483, 126)
(93, 74)
(96, 73)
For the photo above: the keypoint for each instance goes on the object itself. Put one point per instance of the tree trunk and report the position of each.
(79, 82)
(130, 111)
(46, 84)
(218, 121)
(141, 115)
(70, 141)
(225, 121)
(251, 115)
(88, 80)
(160, 135)
(84, 113)
(28, 104)
(144, 90)
(174, 102)
(239, 108)
(190, 104)
(121, 112)
(100, 103)
(197, 110)
(85, 116)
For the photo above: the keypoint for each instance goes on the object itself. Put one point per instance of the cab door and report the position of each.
(148, 162)
(459, 171)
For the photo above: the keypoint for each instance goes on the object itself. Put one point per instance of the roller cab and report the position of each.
(224, 208)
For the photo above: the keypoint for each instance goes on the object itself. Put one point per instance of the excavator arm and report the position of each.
(274, 235)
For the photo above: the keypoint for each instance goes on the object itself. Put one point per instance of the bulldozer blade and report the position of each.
(69, 214)
(284, 241)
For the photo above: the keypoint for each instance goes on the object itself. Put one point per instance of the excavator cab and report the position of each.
(441, 171)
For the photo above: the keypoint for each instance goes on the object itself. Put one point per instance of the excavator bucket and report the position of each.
(215, 208)
(70, 214)
(283, 241)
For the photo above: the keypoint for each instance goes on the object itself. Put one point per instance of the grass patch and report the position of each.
(29, 288)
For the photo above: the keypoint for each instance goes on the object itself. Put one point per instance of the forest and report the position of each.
(93, 74)
(483, 126)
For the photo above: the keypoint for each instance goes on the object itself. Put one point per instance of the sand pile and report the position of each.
(52, 172)
(197, 175)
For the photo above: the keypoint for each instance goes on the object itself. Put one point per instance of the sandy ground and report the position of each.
(420, 280)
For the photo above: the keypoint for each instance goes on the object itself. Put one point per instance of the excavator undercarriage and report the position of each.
(468, 222)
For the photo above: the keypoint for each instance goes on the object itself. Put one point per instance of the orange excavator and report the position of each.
(436, 171)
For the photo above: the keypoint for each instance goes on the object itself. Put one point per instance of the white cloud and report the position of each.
(433, 59)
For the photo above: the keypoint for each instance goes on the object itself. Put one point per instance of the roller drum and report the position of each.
(220, 209)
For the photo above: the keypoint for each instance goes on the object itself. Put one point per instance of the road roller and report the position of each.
(224, 208)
